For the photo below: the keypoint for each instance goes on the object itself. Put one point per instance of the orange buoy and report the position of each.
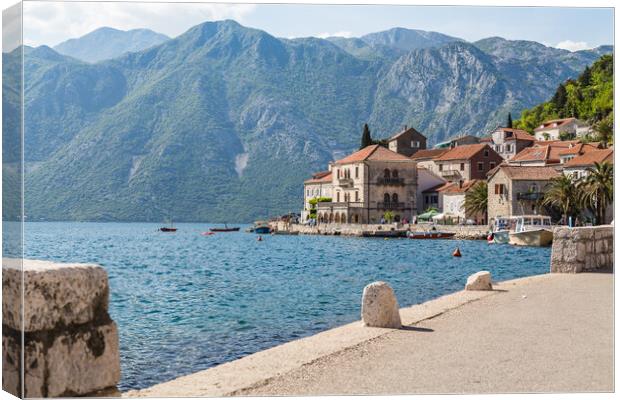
(457, 252)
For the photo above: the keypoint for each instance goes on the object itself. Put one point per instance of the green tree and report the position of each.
(366, 138)
(559, 99)
(597, 189)
(605, 129)
(476, 199)
(562, 194)
(509, 121)
(388, 216)
(585, 77)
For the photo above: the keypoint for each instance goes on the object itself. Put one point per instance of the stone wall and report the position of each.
(70, 342)
(582, 249)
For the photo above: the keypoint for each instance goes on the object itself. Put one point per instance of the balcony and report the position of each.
(450, 173)
(391, 181)
(531, 196)
(330, 205)
(390, 206)
(345, 182)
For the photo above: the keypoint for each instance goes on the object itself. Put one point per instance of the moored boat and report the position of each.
(169, 228)
(532, 230)
(225, 229)
(262, 227)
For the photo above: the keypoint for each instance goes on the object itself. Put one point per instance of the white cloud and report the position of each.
(345, 34)
(573, 46)
(51, 22)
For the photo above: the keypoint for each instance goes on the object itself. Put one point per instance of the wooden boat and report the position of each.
(431, 235)
(225, 229)
(167, 229)
(385, 233)
(532, 230)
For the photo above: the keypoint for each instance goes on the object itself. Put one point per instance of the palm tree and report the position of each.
(476, 199)
(563, 194)
(597, 189)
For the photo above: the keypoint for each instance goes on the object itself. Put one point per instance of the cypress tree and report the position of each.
(366, 138)
(586, 77)
(559, 99)
(509, 121)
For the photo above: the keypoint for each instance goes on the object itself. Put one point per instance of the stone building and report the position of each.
(546, 153)
(426, 158)
(458, 141)
(508, 142)
(516, 190)
(467, 162)
(453, 200)
(368, 183)
(576, 150)
(319, 186)
(554, 129)
(407, 142)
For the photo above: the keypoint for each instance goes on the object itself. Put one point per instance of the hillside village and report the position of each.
(508, 172)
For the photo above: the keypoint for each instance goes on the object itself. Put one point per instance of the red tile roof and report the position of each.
(517, 134)
(373, 152)
(589, 158)
(525, 173)
(464, 152)
(320, 177)
(579, 149)
(427, 154)
(437, 188)
(455, 188)
(406, 130)
(548, 124)
(549, 153)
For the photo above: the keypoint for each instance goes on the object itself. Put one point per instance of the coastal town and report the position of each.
(505, 174)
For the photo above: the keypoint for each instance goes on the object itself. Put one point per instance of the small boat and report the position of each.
(170, 228)
(501, 230)
(385, 233)
(225, 229)
(532, 230)
(431, 235)
(262, 227)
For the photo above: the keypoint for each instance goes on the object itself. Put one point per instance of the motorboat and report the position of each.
(532, 230)
(225, 229)
(432, 234)
(262, 227)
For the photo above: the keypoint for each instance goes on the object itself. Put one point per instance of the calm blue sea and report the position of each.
(185, 302)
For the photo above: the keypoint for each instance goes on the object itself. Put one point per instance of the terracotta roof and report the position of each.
(589, 158)
(428, 153)
(464, 152)
(487, 139)
(547, 124)
(525, 173)
(406, 130)
(455, 188)
(578, 149)
(517, 134)
(320, 177)
(373, 152)
(437, 188)
(549, 154)
(558, 143)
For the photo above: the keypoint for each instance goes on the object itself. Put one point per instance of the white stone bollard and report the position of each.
(380, 307)
(70, 342)
(479, 281)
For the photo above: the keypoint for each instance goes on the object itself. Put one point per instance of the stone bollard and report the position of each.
(479, 281)
(380, 307)
(70, 342)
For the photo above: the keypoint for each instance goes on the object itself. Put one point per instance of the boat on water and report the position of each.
(379, 233)
(225, 229)
(431, 235)
(262, 227)
(501, 230)
(169, 228)
(532, 230)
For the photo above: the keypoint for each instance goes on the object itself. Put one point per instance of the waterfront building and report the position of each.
(426, 158)
(317, 187)
(452, 198)
(508, 142)
(467, 162)
(556, 129)
(407, 142)
(516, 190)
(428, 186)
(368, 183)
(458, 141)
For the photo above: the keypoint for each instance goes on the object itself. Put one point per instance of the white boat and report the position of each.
(501, 230)
(532, 230)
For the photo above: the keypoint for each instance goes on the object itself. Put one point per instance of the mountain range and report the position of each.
(224, 122)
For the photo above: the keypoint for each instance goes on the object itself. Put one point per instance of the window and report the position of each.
(491, 165)
(500, 189)
(337, 197)
(386, 198)
(395, 173)
(415, 144)
(357, 172)
(508, 148)
(486, 152)
(386, 173)
(440, 167)
(480, 166)
(357, 196)
(307, 192)
(395, 198)
(462, 166)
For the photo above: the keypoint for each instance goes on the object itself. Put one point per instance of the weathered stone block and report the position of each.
(561, 232)
(580, 249)
(565, 267)
(479, 281)
(70, 342)
(380, 307)
(53, 294)
(570, 252)
(581, 233)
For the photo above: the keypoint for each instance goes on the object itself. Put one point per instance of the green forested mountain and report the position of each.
(589, 97)
(223, 123)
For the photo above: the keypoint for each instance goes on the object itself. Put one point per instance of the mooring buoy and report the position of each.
(457, 252)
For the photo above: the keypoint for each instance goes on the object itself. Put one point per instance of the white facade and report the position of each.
(551, 130)
(453, 204)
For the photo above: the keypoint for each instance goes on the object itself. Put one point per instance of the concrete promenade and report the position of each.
(547, 333)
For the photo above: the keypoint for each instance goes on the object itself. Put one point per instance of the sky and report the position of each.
(572, 28)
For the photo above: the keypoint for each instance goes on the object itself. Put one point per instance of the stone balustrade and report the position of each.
(582, 249)
(70, 344)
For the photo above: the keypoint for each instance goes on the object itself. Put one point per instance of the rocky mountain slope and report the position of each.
(223, 123)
